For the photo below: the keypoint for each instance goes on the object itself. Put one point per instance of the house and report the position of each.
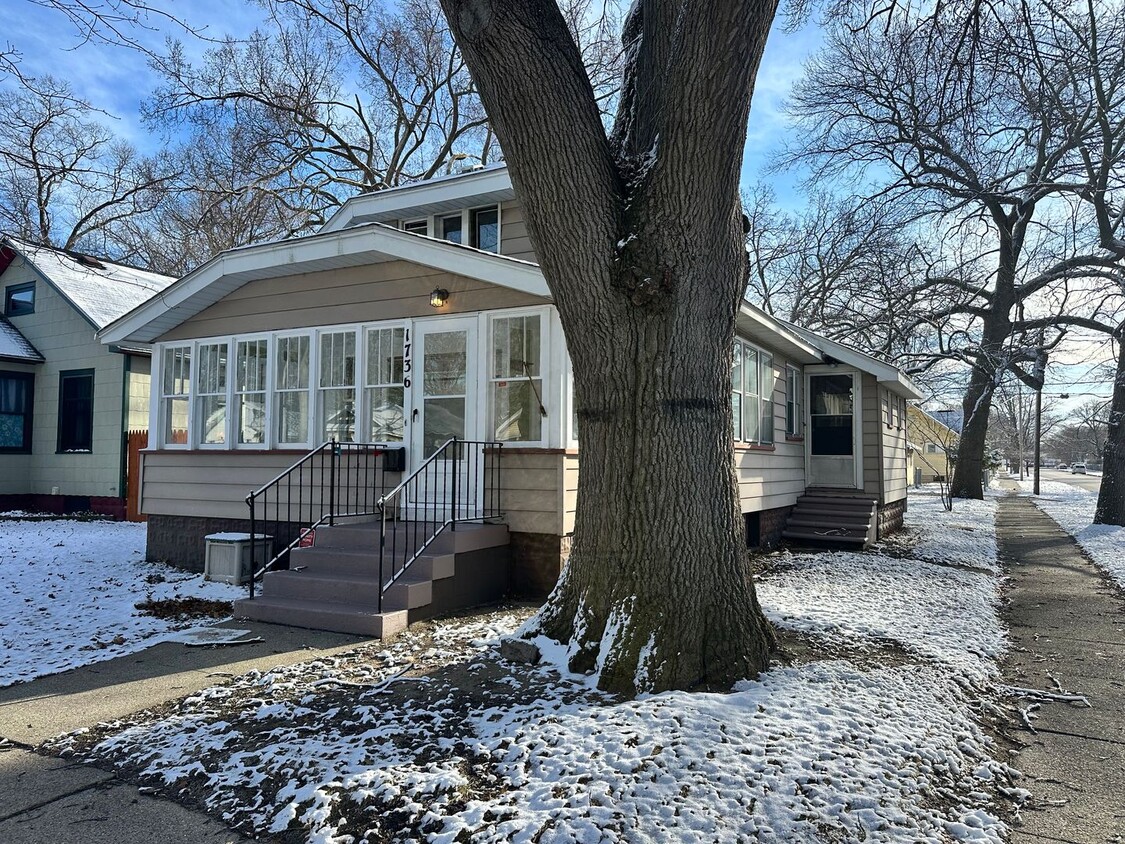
(66, 400)
(935, 442)
(419, 314)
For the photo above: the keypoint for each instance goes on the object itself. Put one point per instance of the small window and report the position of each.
(16, 395)
(211, 392)
(291, 390)
(486, 229)
(517, 379)
(19, 299)
(451, 229)
(417, 227)
(385, 385)
(250, 372)
(175, 395)
(76, 411)
(337, 386)
(793, 401)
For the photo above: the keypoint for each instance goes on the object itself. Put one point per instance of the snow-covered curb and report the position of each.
(67, 590)
(1073, 509)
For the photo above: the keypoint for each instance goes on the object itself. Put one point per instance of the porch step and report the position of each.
(334, 584)
(322, 615)
(820, 517)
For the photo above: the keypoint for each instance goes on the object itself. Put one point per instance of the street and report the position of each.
(1090, 482)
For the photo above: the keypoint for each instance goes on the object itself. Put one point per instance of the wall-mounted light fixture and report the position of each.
(439, 297)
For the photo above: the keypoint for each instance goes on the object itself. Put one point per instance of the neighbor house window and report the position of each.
(416, 227)
(16, 394)
(175, 394)
(486, 229)
(384, 387)
(76, 411)
(211, 393)
(291, 389)
(752, 385)
(516, 379)
(337, 386)
(250, 372)
(451, 229)
(19, 299)
(794, 401)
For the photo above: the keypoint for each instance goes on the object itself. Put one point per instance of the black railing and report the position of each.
(336, 480)
(460, 482)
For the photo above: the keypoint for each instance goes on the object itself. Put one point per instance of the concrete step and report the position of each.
(349, 563)
(405, 536)
(818, 514)
(845, 503)
(336, 617)
(810, 521)
(317, 587)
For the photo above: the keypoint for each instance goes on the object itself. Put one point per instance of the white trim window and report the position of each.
(175, 397)
(251, 371)
(752, 387)
(515, 375)
(451, 227)
(794, 400)
(291, 389)
(336, 398)
(211, 392)
(421, 227)
(484, 228)
(384, 393)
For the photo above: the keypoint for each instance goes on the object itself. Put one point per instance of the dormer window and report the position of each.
(451, 228)
(486, 229)
(421, 227)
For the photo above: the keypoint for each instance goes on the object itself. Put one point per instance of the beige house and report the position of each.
(418, 315)
(65, 398)
(934, 443)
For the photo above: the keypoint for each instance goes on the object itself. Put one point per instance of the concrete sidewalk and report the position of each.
(44, 799)
(1067, 625)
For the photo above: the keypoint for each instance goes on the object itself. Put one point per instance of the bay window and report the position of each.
(516, 379)
(291, 389)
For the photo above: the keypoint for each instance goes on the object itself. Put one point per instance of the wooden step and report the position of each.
(313, 615)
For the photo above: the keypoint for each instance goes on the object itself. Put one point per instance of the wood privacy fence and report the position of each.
(134, 442)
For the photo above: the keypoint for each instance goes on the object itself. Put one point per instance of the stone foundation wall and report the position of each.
(891, 516)
(537, 562)
(178, 540)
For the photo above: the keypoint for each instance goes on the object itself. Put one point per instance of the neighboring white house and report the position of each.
(66, 399)
(419, 313)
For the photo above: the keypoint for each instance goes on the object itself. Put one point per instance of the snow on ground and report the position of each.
(964, 536)
(67, 590)
(434, 737)
(1073, 509)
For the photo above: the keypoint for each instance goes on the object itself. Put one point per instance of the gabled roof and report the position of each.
(755, 324)
(99, 290)
(14, 346)
(486, 185)
(355, 246)
(889, 376)
(951, 419)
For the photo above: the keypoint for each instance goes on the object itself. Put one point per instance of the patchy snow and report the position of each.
(14, 346)
(964, 536)
(871, 735)
(67, 590)
(1073, 509)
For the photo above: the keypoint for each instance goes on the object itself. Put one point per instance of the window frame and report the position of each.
(11, 291)
(365, 387)
(198, 395)
(763, 401)
(165, 397)
(474, 228)
(28, 379)
(794, 401)
(276, 390)
(538, 381)
(414, 221)
(234, 400)
(358, 376)
(72, 375)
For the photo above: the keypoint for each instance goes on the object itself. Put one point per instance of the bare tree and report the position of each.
(65, 180)
(973, 149)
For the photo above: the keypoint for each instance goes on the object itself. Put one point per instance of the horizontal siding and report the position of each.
(530, 493)
(514, 241)
(570, 492)
(894, 460)
(392, 290)
(872, 424)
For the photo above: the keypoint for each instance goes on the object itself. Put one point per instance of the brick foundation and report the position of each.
(770, 525)
(890, 517)
(178, 540)
(537, 562)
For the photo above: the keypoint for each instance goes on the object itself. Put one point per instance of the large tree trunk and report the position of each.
(639, 237)
(1111, 497)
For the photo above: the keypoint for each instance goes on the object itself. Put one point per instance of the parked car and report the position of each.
(1078, 469)
(1062, 466)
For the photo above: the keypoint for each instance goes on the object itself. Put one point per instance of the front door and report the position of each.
(833, 422)
(445, 406)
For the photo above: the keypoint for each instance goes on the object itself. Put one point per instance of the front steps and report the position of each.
(826, 517)
(334, 585)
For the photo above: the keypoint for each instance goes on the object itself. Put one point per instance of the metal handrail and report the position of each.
(306, 507)
(446, 512)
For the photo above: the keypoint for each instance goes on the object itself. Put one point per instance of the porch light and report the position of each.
(439, 297)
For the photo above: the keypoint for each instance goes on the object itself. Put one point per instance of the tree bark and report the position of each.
(1111, 496)
(639, 237)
